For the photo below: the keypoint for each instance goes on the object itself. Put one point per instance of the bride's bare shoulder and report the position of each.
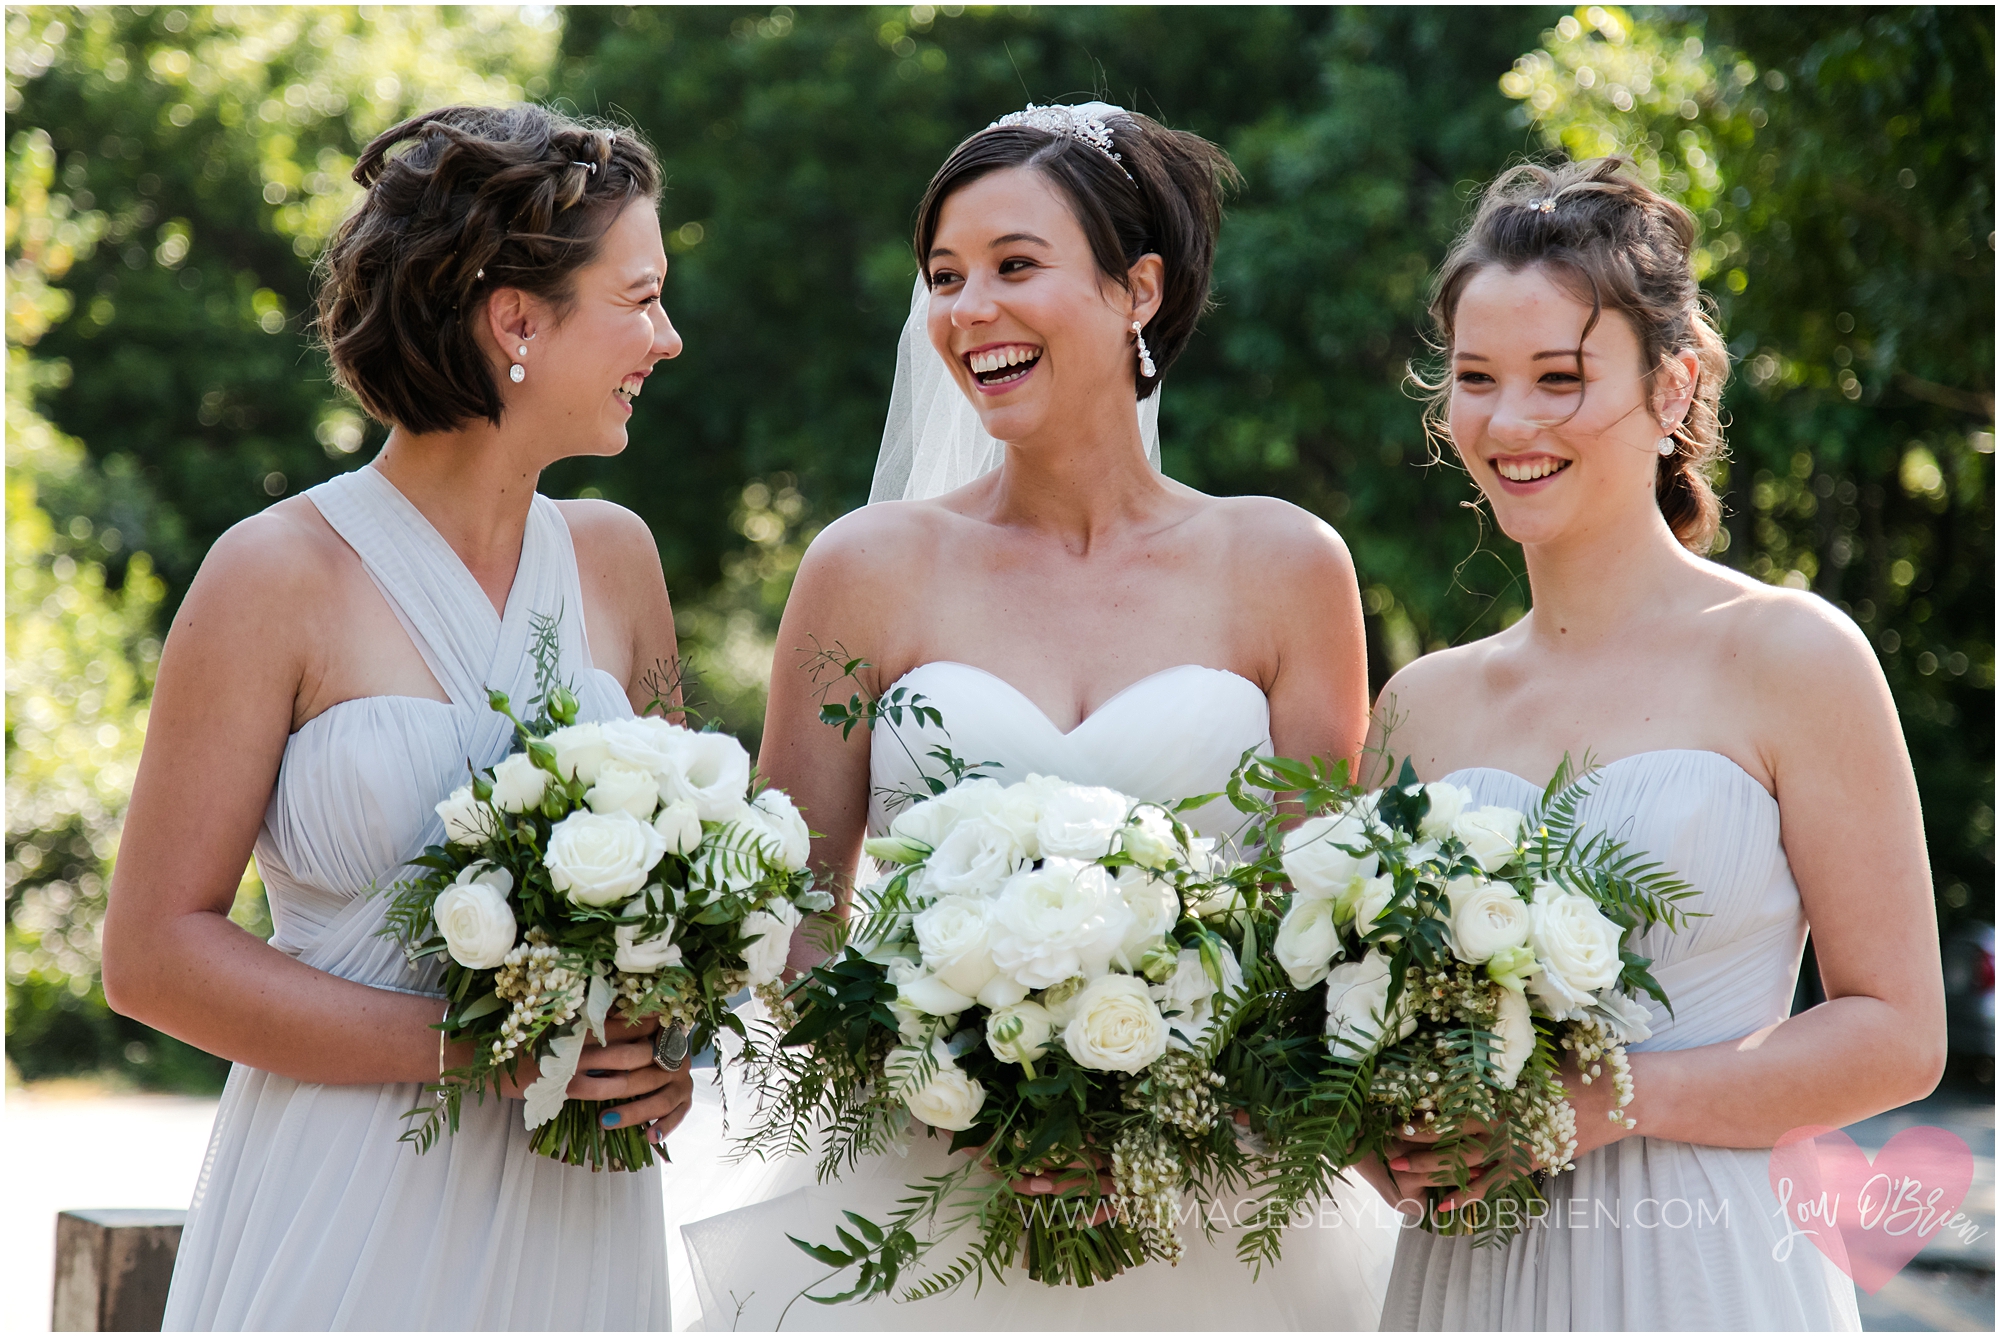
(1276, 535)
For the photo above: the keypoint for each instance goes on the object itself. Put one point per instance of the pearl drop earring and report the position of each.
(518, 373)
(1667, 444)
(1145, 356)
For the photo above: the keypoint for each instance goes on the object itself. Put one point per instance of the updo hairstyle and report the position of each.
(1616, 243)
(484, 197)
(1170, 205)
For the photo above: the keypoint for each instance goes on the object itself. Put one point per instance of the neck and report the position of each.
(1080, 481)
(474, 486)
(1586, 588)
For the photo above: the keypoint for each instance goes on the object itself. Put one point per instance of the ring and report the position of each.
(670, 1048)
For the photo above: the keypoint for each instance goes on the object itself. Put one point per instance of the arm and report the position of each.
(627, 614)
(1319, 687)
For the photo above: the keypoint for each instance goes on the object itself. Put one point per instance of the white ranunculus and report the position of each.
(951, 934)
(1019, 1033)
(580, 749)
(646, 741)
(1370, 899)
(680, 826)
(1490, 835)
(1357, 994)
(1317, 859)
(1188, 997)
(1116, 1027)
(645, 956)
(602, 858)
(467, 821)
(975, 857)
(784, 835)
(518, 784)
(474, 917)
(949, 1099)
(1308, 941)
(712, 773)
(1155, 907)
(1079, 821)
(1572, 937)
(623, 787)
(1515, 1030)
(1062, 919)
(1149, 840)
(1447, 802)
(1486, 917)
(764, 959)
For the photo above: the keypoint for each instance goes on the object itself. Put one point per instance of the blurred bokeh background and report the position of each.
(172, 172)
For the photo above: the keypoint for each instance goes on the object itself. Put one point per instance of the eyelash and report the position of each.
(1012, 265)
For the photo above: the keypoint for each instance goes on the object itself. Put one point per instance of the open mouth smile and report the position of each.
(1529, 469)
(628, 389)
(1002, 366)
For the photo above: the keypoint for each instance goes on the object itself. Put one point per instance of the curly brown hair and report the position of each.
(484, 197)
(1619, 245)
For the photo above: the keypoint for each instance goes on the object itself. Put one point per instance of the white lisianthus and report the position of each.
(929, 822)
(783, 834)
(1308, 941)
(975, 857)
(623, 787)
(923, 992)
(680, 826)
(952, 935)
(466, 820)
(1357, 996)
(1060, 1000)
(1019, 1033)
(645, 956)
(1155, 907)
(1188, 997)
(474, 917)
(580, 749)
(712, 774)
(1515, 1030)
(1062, 919)
(1116, 1026)
(1316, 855)
(1630, 1021)
(764, 959)
(1447, 802)
(1001, 991)
(1491, 835)
(1079, 821)
(645, 741)
(1369, 899)
(602, 858)
(518, 784)
(948, 1099)
(1486, 918)
(1149, 839)
(914, 1025)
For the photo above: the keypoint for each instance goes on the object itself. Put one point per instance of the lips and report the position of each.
(628, 389)
(1529, 468)
(1001, 365)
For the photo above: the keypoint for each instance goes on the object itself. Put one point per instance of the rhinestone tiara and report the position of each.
(1085, 124)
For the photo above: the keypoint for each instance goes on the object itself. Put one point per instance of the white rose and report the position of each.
(973, 859)
(580, 749)
(1079, 821)
(1149, 840)
(623, 787)
(1357, 993)
(951, 934)
(602, 858)
(949, 1099)
(1188, 997)
(1155, 907)
(1370, 899)
(926, 994)
(645, 741)
(927, 823)
(712, 773)
(1573, 939)
(1020, 1033)
(765, 958)
(1515, 1030)
(1447, 802)
(1308, 941)
(786, 839)
(1490, 835)
(637, 956)
(1315, 860)
(474, 917)
(466, 820)
(518, 784)
(1486, 917)
(1116, 1026)
(1630, 1021)
(680, 826)
(1063, 919)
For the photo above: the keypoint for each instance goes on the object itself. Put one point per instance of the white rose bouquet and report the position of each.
(627, 863)
(1433, 964)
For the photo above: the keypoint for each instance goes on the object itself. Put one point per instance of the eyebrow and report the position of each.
(1571, 353)
(997, 242)
(645, 280)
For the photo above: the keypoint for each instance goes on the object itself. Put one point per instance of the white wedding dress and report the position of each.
(309, 1214)
(1172, 735)
(1650, 1234)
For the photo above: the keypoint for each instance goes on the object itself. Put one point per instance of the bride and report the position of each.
(1071, 611)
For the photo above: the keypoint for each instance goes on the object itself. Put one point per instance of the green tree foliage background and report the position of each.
(193, 160)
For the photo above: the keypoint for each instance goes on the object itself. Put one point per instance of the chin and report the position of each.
(1012, 422)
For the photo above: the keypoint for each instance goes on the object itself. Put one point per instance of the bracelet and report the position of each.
(441, 1020)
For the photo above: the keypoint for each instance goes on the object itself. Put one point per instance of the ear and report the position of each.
(1145, 284)
(512, 317)
(1674, 387)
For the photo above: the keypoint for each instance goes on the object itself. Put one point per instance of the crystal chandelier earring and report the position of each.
(1145, 356)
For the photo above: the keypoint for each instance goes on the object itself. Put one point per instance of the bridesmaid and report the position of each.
(1749, 743)
(494, 300)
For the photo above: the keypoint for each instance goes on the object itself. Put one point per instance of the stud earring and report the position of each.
(1145, 356)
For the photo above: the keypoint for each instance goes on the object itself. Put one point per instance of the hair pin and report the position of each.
(591, 165)
(1085, 123)
(1544, 206)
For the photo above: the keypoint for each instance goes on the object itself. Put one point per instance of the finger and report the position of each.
(660, 1103)
(622, 1055)
(1476, 1190)
(617, 1029)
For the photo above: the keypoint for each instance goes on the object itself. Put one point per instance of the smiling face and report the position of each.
(1556, 454)
(582, 372)
(1033, 331)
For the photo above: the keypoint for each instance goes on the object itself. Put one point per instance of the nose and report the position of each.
(1512, 422)
(666, 339)
(973, 305)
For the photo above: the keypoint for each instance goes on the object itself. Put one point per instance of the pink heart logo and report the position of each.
(1870, 1217)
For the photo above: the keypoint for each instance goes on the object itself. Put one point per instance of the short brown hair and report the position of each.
(1618, 244)
(1166, 199)
(485, 197)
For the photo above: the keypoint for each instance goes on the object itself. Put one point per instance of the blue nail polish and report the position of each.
(611, 1118)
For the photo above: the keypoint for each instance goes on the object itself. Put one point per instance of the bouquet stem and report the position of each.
(1067, 1255)
(576, 1137)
